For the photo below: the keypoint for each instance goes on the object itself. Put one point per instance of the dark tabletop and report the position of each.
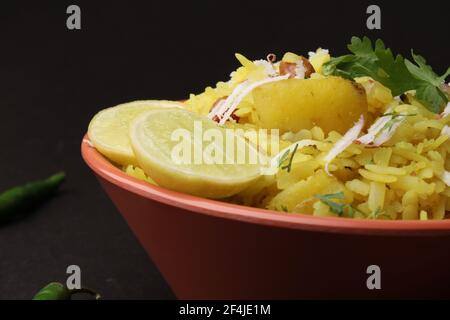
(52, 81)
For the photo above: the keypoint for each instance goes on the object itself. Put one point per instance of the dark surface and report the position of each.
(54, 80)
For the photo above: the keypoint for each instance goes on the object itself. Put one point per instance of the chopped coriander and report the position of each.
(377, 214)
(396, 73)
(396, 114)
(388, 126)
(284, 208)
(395, 118)
(337, 195)
(283, 158)
(339, 208)
(289, 165)
(425, 72)
(335, 207)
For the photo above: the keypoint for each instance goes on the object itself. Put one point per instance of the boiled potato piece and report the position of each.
(319, 183)
(331, 103)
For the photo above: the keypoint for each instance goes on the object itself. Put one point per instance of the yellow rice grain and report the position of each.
(322, 210)
(414, 167)
(363, 207)
(438, 210)
(410, 203)
(324, 146)
(397, 206)
(354, 149)
(410, 155)
(137, 173)
(391, 212)
(357, 186)
(398, 160)
(419, 186)
(303, 134)
(406, 146)
(385, 170)
(364, 158)
(300, 157)
(376, 196)
(434, 155)
(423, 125)
(317, 133)
(382, 156)
(377, 177)
(434, 144)
(346, 163)
(334, 136)
(423, 215)
(420, 147)
(438, 167)
(440, 186)
(426, 173)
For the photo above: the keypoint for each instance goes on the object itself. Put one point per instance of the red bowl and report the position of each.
(208, 249)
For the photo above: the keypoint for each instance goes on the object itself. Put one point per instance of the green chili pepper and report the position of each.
(53, 291)
(57, 291)
(18, 200)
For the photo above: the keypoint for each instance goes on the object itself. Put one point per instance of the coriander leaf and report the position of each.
(378, 213)
(396, 114)
(397, 77)
(445, 75)
(395, 118)
(289, 165)
(283, 157)
(432, 96)
(335, 207)
(284, 208)
(362, 47)
(422, 71)
(337, 195)
(428, 91)
(331, 66)
(351, 211)
(394, 72)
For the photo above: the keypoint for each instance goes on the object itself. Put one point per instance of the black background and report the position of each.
(52, 81)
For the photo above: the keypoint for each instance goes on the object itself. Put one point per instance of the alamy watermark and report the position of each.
(224, 145)
(74, 279)
(374, 280)
(374, 20)
(73, 21)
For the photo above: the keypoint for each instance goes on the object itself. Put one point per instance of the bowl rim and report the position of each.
(103, 168)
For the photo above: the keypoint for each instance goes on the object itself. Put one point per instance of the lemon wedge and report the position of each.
(157, 135)
(108, 130)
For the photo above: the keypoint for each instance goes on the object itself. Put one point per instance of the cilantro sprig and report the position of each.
(396, 73)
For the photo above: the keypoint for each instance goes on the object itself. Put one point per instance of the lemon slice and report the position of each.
(155, 138)
(108, 130)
